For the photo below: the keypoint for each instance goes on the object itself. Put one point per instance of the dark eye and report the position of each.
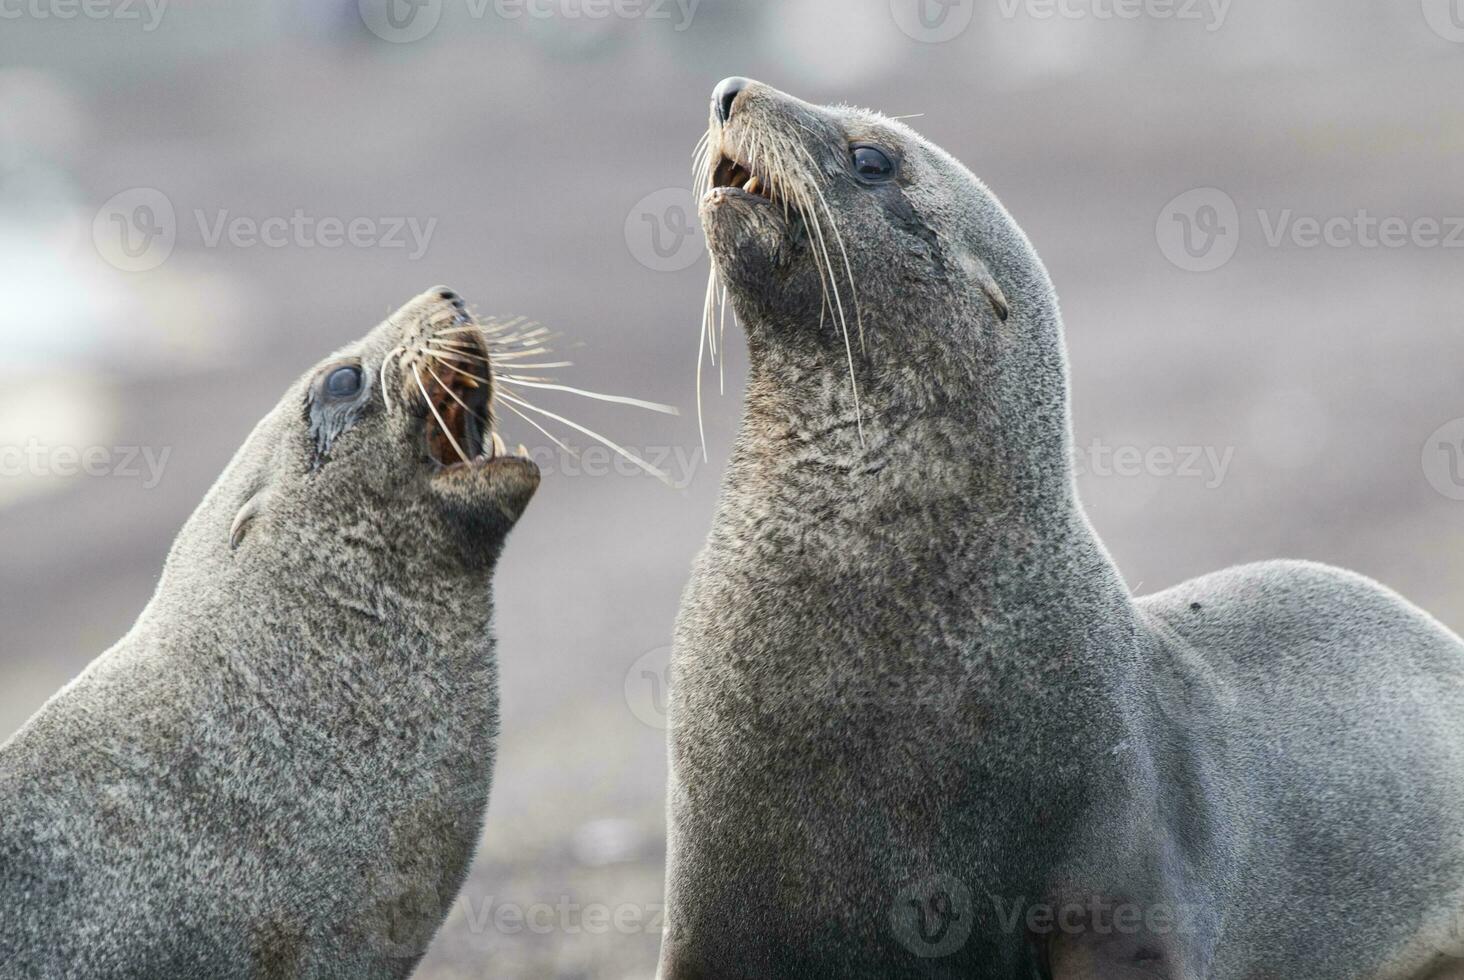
(343, 382)
(872, 163)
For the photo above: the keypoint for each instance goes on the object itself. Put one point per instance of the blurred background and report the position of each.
(1252, 210)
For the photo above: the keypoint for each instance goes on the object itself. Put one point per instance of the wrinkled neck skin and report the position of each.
(343, 640)
(931, 489)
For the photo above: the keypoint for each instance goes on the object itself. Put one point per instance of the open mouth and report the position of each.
(738, 177)
(459, 389)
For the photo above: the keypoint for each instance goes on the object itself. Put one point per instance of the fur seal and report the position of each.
(921, 728)
(281, 771)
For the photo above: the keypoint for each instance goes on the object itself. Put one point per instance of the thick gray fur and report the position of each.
(921, 728)
(282, 770)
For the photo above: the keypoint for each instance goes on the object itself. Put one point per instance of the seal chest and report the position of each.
(919, 725)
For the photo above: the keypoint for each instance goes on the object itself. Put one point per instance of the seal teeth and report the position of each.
(499, 449)
(730, 173)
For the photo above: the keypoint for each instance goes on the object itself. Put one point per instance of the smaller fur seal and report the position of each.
(282, 770)
(921, 728)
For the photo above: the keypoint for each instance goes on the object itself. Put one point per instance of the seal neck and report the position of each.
(974, 487)
(997, 440)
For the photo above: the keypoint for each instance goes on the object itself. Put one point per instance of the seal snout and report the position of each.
(475, 476)
(724, 97)
(460, 427)
(731, 172)
(449, 296)
(447, 370)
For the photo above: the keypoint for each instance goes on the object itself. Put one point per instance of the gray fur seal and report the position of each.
(282, 770)
(921, 728)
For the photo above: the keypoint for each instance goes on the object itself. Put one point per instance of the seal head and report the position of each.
(399, 423)
(854, 251)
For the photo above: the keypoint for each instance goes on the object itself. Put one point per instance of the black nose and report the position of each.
(726, 94)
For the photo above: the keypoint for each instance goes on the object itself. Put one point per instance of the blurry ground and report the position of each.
(1318, 373)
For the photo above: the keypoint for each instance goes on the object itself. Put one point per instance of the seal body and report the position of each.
(282, 770)
(919, 725)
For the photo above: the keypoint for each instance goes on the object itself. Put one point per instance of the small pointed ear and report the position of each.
(998, 299)
(981, 275)
(252, 508)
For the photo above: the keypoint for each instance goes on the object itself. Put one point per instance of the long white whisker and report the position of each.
(709, 318)
(457, 356)
(815, 231)
(466, 374)
(614, 446)
(843, 327)
(615, 399)
(839, 238)
(494, 323)
(547, 434)
(514, 354)
(453, 395)
(701, 346)
(438, 415)
(722, 340)
(385, 388)
(460, 345)
(469, 328)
